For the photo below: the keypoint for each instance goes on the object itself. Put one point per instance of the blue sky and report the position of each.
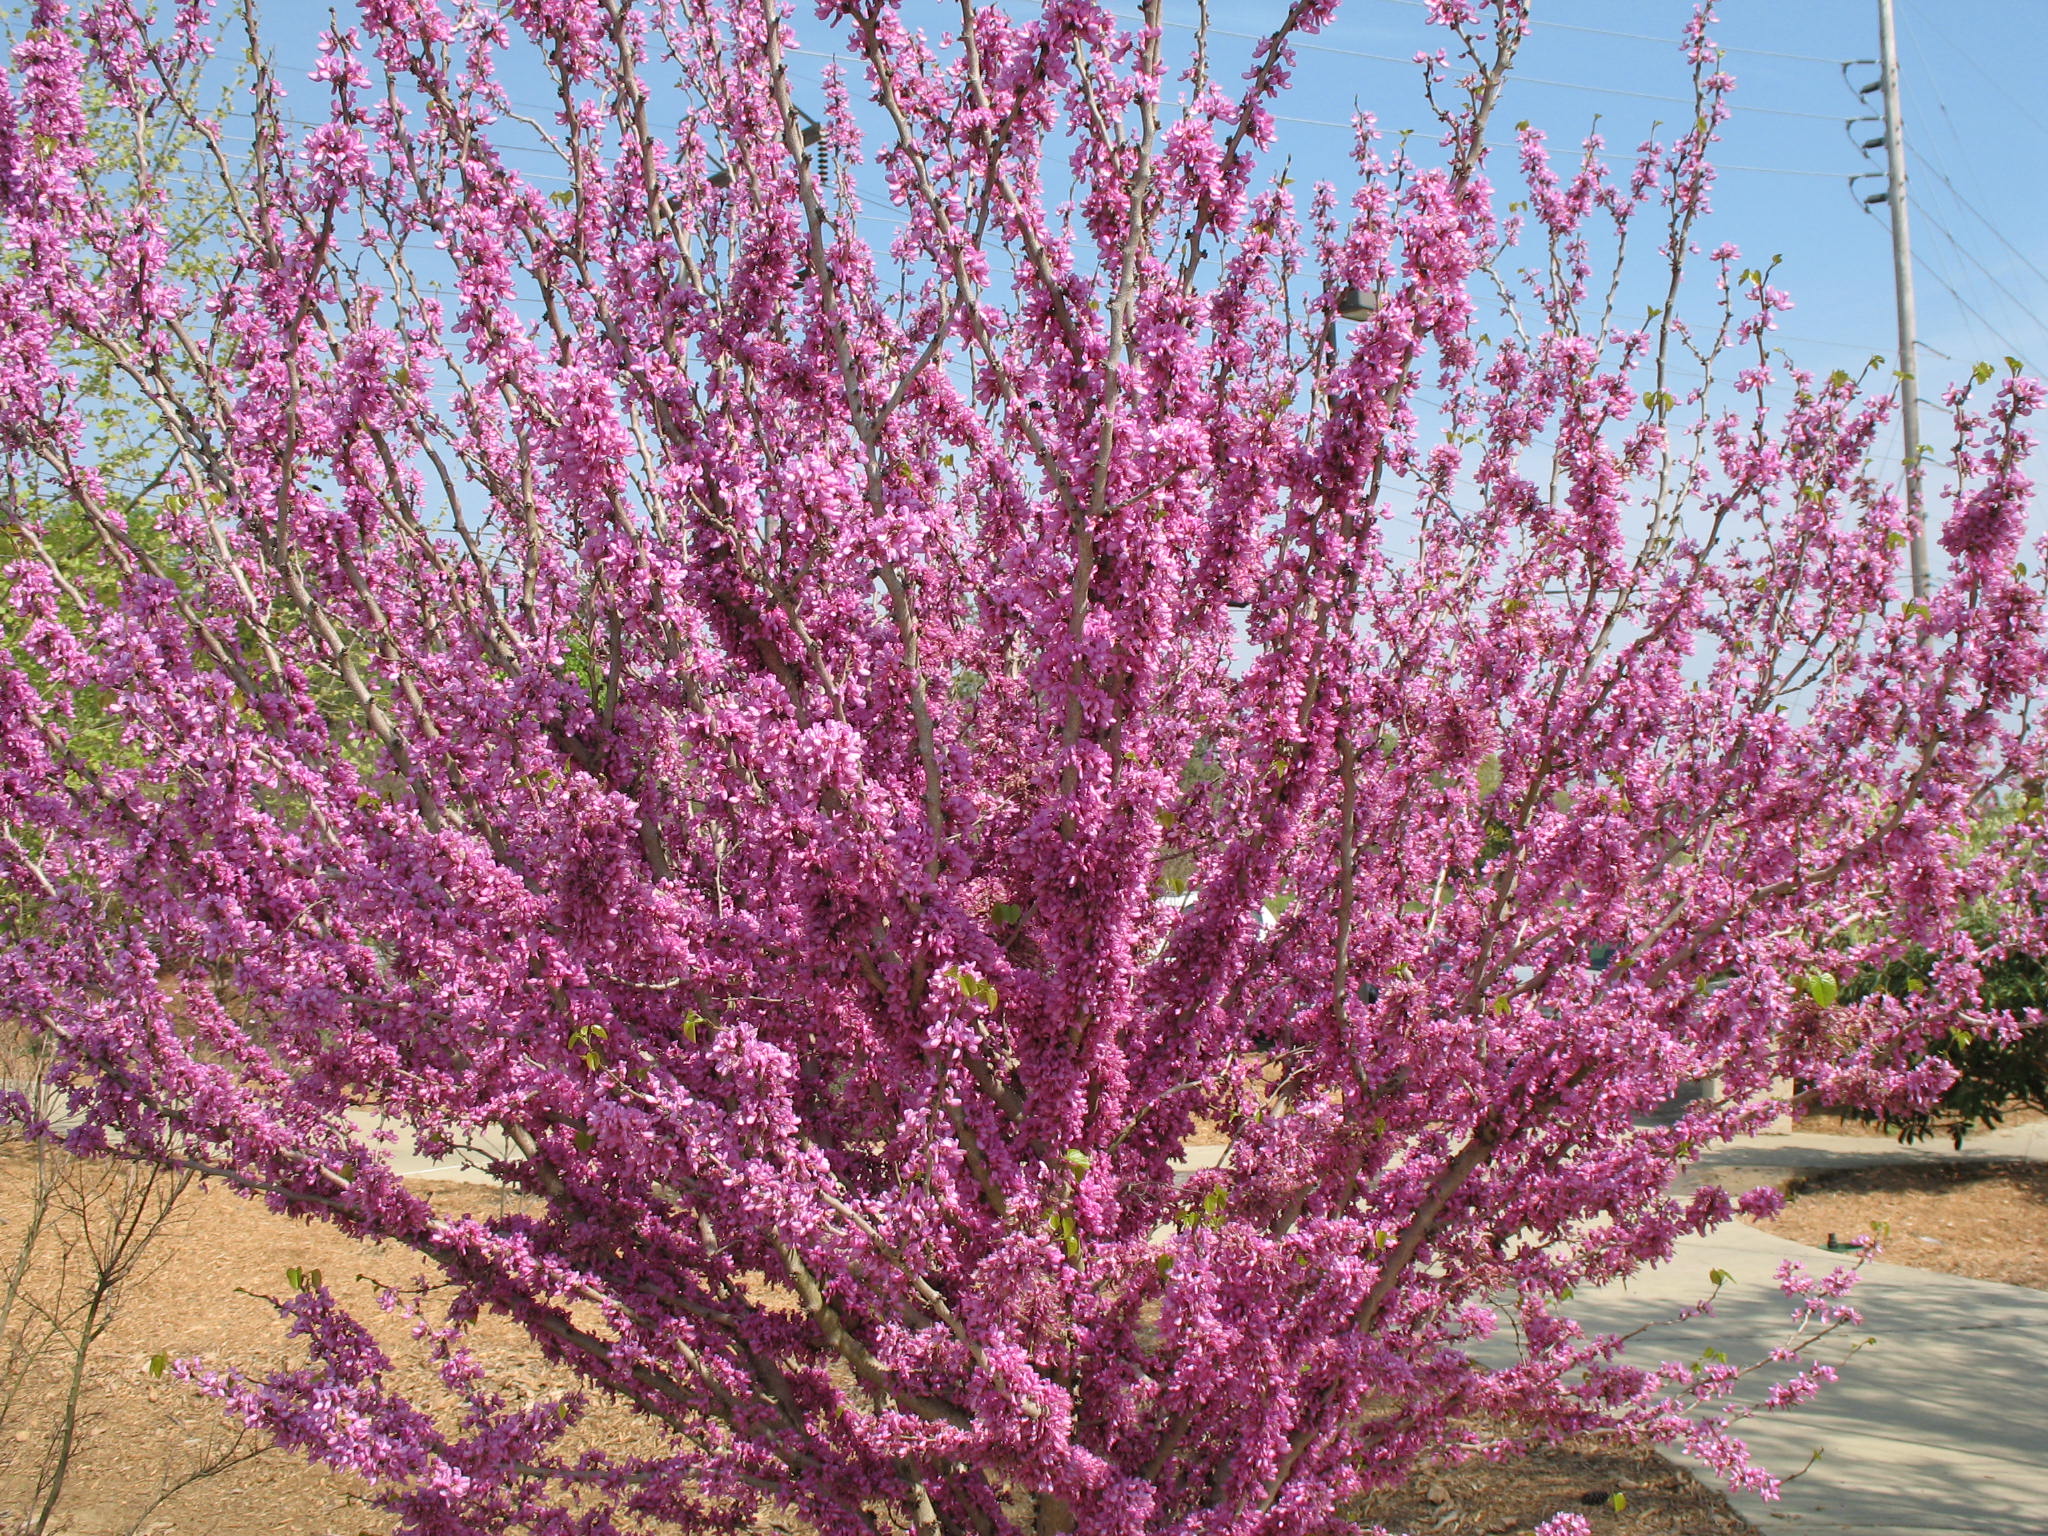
(1976, 129)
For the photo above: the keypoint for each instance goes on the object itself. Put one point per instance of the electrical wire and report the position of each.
(1979, 215)
(1986, 76)
(1968, 308)
(1989, 276)
(1646, 37)
(1925, 160)
(1306, 46)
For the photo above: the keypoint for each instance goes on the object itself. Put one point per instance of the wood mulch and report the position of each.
(1985, 1219)
(1621, 1490)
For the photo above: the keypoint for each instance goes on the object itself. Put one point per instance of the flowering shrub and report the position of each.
(1999, 1066)
(830, 767)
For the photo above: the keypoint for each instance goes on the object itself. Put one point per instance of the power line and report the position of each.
(1775, 170)
(1672, 42)
(1646, 37)
(1967, 307)
(1989, 79)
(1981, 217)
(1989, 276)
(1928, 162)
(1513, 78)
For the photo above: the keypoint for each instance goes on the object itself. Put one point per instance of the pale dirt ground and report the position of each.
(1991, 1223)
(203, 1298)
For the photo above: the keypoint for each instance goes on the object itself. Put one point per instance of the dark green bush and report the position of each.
(1997, 1076)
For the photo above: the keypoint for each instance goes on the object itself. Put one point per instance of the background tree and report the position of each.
(2001, 1063)
(702, 713)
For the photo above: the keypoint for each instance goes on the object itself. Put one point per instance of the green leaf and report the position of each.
(973, 987)
(1068, 1233)
(1720, 1277)
(692, 1022)
(1981, 373)
(585, 1040)
(158, 1364)
(1489, 773)
(1006, 913)
(1078, 1160)
(1618, 1502)
(1821, 987)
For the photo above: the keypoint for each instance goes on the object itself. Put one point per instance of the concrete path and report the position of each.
(1938, 1428)
(464, 1166)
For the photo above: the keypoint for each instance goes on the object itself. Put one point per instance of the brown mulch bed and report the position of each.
(1985, 1219)
(1831, 1123)
(1503, 1498)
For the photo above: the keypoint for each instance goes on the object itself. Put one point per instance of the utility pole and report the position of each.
(1902, 287)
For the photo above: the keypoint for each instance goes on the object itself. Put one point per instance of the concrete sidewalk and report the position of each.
(1938, 1428)
(402, 1153)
